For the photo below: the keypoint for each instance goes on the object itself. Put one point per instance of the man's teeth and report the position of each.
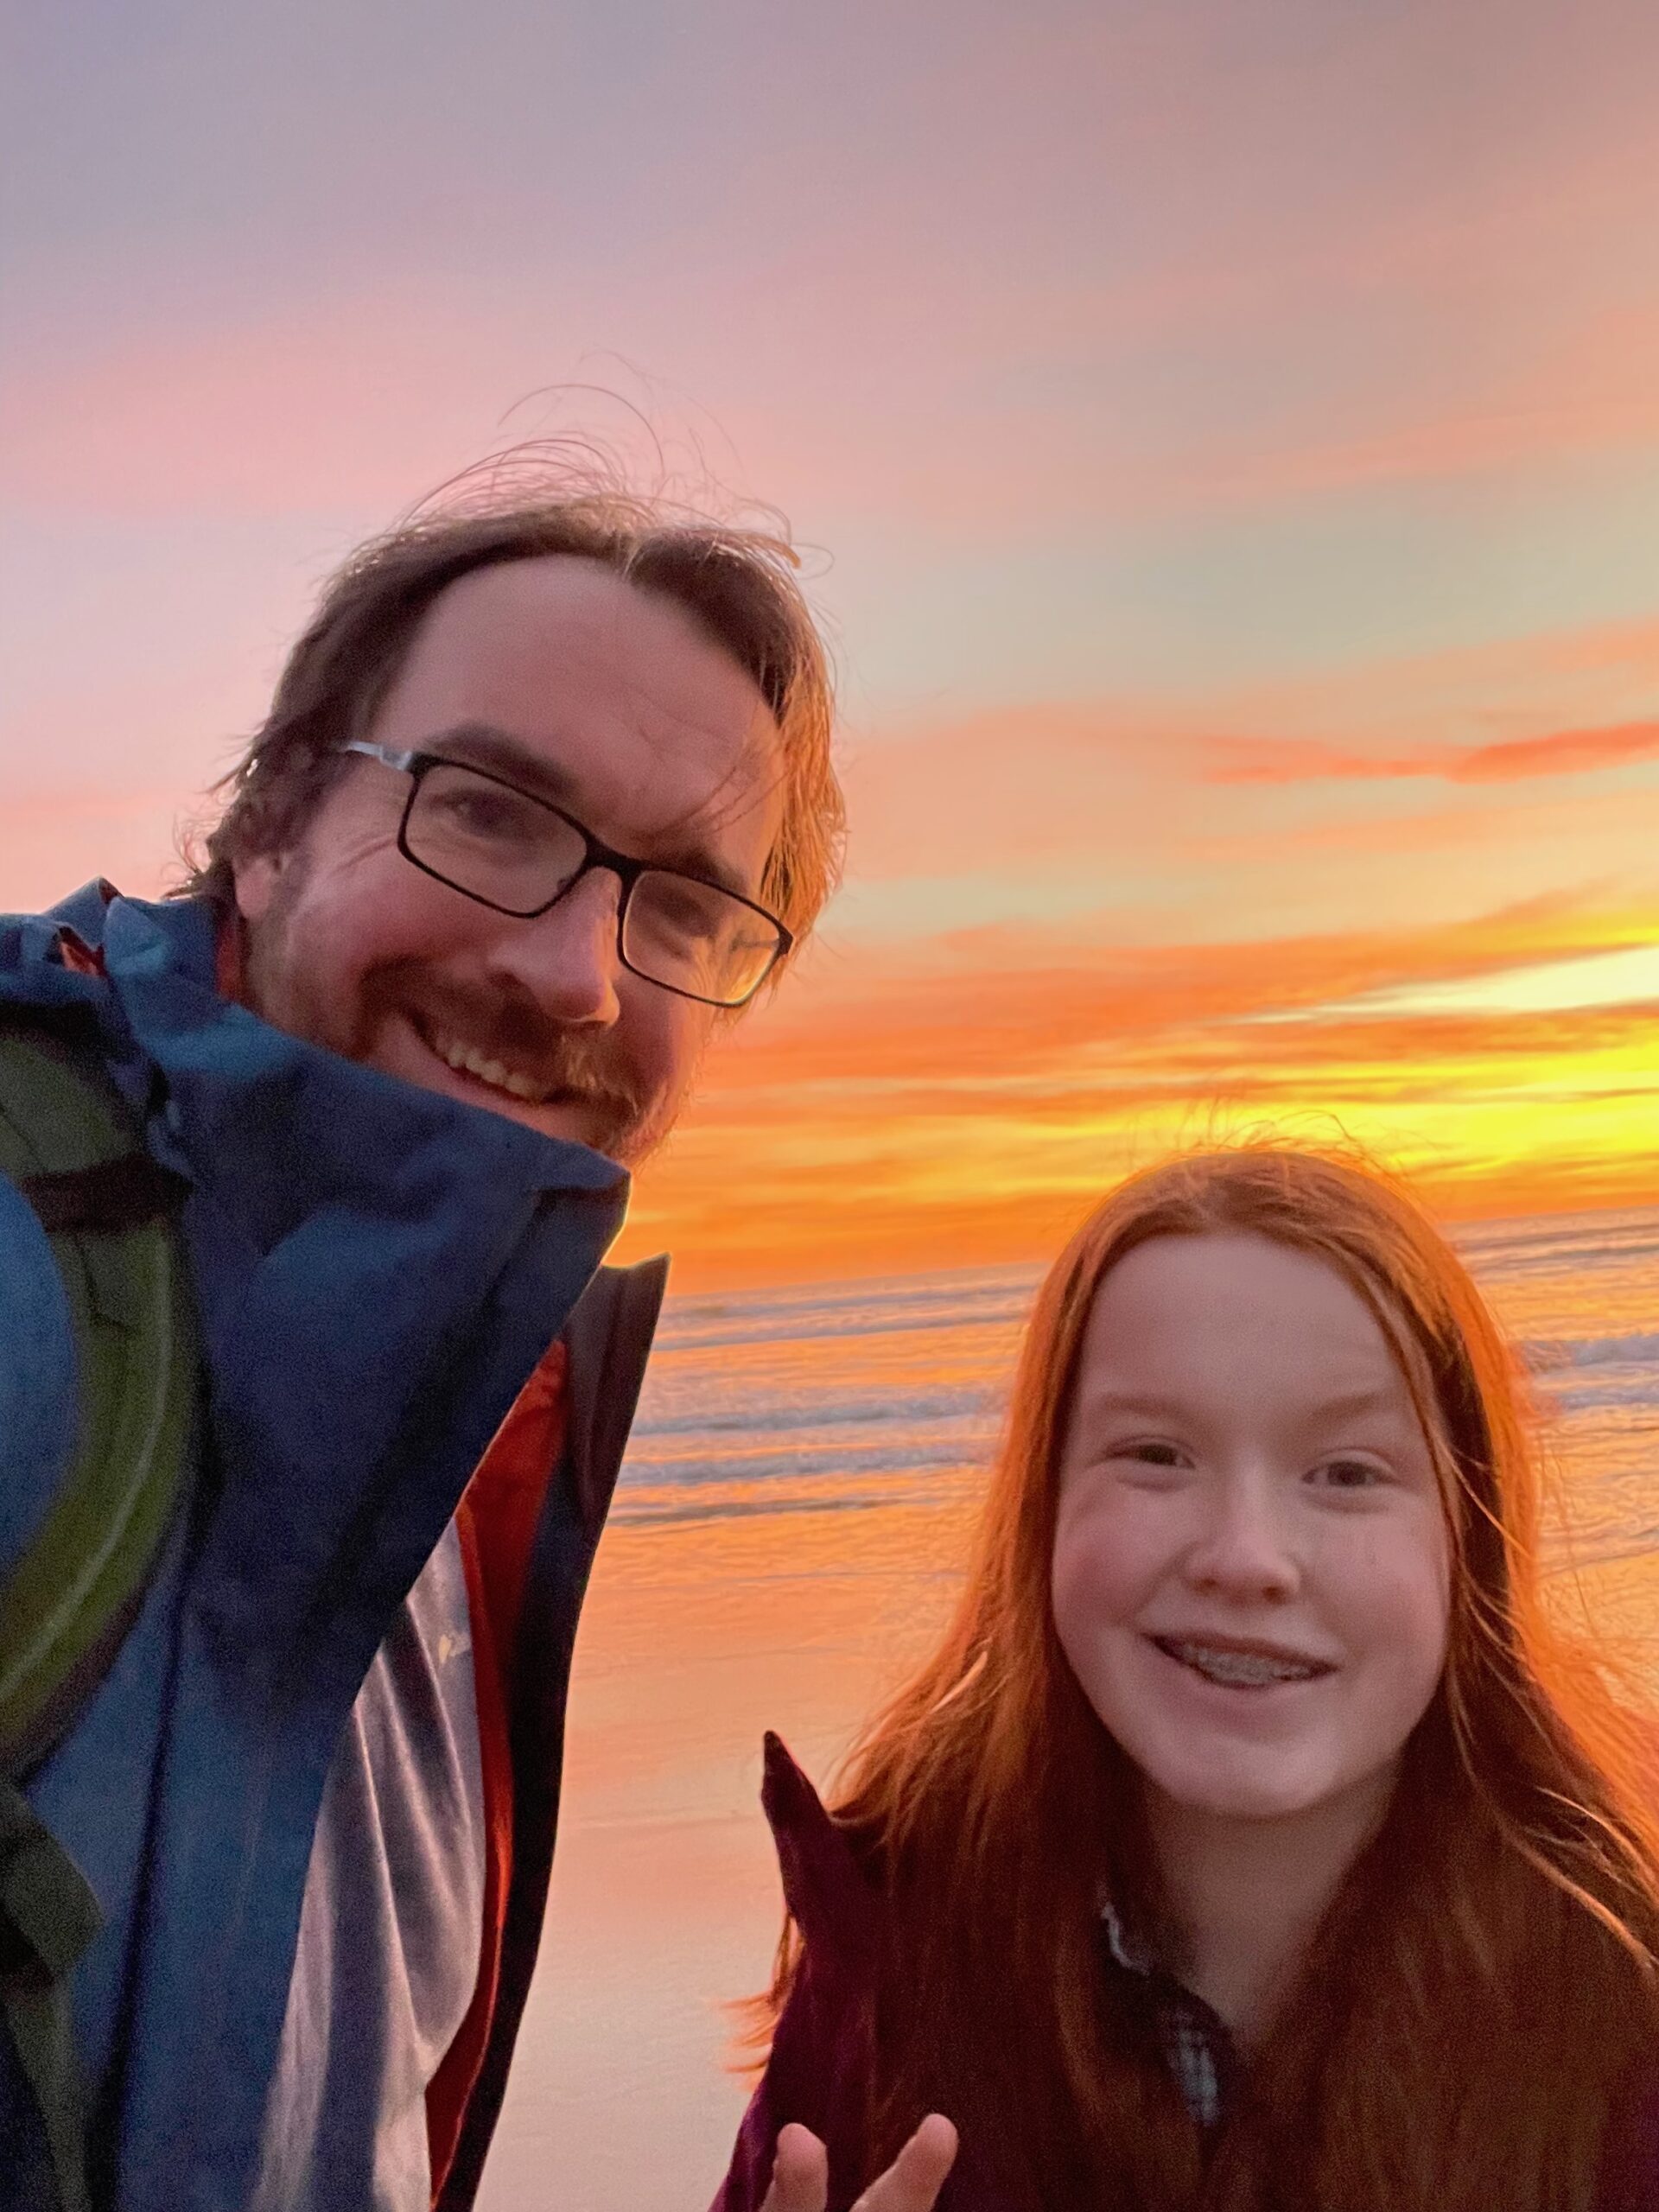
(467, 1060)
(1244, 1670)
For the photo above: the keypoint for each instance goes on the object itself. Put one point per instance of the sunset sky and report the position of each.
(1223, 437)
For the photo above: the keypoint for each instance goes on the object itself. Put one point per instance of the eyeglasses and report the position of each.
(520, 855)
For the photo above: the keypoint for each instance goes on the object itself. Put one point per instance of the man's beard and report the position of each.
(575, 1067)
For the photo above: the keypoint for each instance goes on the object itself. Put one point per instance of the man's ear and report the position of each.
(255, 879)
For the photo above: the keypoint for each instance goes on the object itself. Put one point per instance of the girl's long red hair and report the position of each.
(1484, 1987)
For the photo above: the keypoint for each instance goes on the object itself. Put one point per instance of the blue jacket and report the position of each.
(378, 1269)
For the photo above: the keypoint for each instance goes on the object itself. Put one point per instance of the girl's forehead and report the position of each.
(1238, 1316)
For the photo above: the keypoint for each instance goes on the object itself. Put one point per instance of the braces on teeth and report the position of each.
(1243, 1668)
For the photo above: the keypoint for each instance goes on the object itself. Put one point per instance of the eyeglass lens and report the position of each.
(504, 846)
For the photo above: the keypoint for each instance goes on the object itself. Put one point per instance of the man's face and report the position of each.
(616, 705)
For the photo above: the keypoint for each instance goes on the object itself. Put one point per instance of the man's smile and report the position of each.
(467, 1060)
(551, 1084)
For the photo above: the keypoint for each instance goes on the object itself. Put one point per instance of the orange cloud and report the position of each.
(1166, 796)
(962, 1101)
(1561, 752)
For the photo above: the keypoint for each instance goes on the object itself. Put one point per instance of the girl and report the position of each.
(1251, 1841)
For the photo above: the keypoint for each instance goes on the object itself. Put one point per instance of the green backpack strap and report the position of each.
(68, 1145)
(48, 1916)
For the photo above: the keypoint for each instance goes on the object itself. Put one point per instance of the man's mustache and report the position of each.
(565, 1059)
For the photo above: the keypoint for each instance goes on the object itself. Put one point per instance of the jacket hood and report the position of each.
(356, 1226)
(828, 1893)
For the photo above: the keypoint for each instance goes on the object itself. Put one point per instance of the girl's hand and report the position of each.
(800, 2176)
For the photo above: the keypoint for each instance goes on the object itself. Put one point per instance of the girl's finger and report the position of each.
(913, 2181)
(800, 2173)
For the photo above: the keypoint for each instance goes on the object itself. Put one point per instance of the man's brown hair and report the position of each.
(737, 583)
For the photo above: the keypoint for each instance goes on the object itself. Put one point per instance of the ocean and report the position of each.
(788, 1531)
(836, 1397)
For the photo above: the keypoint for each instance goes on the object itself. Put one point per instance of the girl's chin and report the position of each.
(1249, 1805)
(1256, 1792)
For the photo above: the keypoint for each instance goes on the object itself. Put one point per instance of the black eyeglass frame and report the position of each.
(597, 853)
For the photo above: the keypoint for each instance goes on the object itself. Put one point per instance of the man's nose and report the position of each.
(568, 960)
(1245, 1548)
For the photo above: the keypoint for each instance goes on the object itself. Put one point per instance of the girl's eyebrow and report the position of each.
(1350, 1403)
(1139, 1404)
(1345, 1406)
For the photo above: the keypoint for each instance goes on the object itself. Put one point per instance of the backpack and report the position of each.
(99, 1378)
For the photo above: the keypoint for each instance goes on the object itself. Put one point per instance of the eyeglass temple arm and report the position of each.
(403, 762)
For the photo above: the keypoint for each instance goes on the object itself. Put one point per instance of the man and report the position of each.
(545, 796)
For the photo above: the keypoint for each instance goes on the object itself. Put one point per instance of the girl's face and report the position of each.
(1251, 1562)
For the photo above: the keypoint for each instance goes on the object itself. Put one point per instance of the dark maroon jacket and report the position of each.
(819, 2069)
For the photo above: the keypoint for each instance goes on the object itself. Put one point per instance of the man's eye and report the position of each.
(679, 910)
(487, 814)
(683, 909)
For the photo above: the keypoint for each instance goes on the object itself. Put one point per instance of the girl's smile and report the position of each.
(1239, 1665)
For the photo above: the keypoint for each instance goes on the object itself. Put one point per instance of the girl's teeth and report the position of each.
(1244, 1670)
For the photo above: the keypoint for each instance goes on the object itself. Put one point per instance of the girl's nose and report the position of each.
(1245, 1549)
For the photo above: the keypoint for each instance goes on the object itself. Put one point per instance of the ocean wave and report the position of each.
(1637, 1394)
(781, 1460)
(682, 1512)
(863, 1309)
(1598, 1243)
(1550, 1355)
(822, 1410)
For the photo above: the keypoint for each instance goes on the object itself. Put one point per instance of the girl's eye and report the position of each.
(1349, 1474)
(1152, 1453)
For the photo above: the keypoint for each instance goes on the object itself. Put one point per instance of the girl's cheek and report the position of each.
(1102, 1563)
(1075, 1571)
